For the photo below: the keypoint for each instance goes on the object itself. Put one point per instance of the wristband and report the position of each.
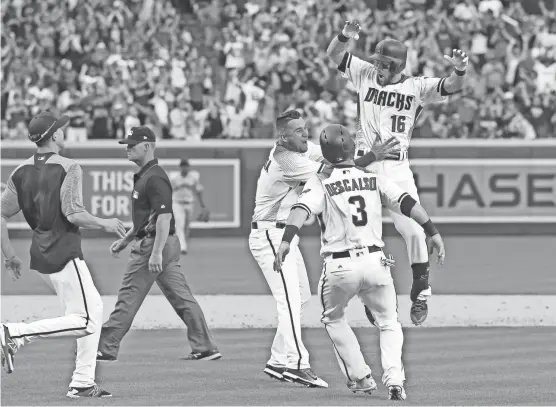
(342, 38)
(429, 228)
(289, 233)
(460, 73)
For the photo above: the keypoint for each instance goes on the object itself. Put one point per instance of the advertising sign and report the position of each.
(108, 184)
(489, 191)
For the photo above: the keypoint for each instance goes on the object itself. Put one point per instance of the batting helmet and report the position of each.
(336, 144)
(391, 52)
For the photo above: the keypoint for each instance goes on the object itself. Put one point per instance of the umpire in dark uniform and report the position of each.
(155, 256)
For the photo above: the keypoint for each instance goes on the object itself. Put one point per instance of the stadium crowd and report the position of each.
(209, 69)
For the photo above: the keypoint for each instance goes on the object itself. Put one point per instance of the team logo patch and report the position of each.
(135, 195)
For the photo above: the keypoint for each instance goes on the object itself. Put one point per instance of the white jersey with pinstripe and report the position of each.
(348, 204)
(391, 110)
(282, 179)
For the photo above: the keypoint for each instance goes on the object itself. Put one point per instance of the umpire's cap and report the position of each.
(139, 134)
(44, 125)
(392, 52)
(337, 144)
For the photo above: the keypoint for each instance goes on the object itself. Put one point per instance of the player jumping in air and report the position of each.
(389, 104)
(348, 202)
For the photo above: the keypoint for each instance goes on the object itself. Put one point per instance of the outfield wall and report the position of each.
(470, 186)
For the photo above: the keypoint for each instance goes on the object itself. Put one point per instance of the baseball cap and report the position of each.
(184, 162)
(44, 125)
(139, 134)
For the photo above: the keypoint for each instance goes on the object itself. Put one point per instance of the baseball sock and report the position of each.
(420, 279)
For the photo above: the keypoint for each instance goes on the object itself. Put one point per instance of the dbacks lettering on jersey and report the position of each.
(351, 184)
(390, 99)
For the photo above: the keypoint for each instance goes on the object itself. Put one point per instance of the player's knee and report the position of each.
(389, 324)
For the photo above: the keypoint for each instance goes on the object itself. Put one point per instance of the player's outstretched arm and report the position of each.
(401, 202)
(298, 216)
(455, 81)
(412, 209)
(71, 198)
(337, 47)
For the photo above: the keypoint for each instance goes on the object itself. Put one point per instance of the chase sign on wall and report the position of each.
(108, 184)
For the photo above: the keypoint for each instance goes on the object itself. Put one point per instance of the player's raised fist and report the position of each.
(351, 29)
(459, 59)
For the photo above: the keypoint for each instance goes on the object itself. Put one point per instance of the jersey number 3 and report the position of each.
(360, 218)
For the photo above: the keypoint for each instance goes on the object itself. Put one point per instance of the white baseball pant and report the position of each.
(183, 215)
(83, 318)
(412, 233)
(362, 274)
(291, 291)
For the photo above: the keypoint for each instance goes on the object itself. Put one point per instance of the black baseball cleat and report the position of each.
(9, 348)
(206, 355)
(396, 393)
(419, 311)
(103, 357)
(93, 391)
(305, 377)
(276, 373)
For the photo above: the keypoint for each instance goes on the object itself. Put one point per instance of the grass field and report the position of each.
(474, 265)
(467, 366)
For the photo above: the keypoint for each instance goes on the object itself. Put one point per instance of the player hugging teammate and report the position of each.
(390, 103)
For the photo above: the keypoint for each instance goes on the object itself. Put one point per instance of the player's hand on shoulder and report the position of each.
(436, 242)
(13, 265)
(114, 225)
(117, 246)
(351, 29)
(283, 250)
(389, 149)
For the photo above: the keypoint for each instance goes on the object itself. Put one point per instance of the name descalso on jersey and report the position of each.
(391, 110)
(282, 179)
(348, 204)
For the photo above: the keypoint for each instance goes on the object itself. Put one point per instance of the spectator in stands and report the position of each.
(145, 62)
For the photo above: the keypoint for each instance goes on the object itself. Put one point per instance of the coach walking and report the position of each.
(155, 256)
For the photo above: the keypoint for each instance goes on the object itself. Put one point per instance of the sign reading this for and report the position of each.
(108, 186)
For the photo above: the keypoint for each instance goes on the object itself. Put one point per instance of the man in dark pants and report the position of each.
(155, 256)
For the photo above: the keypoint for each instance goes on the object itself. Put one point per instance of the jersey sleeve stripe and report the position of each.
(302, 206)
(345, 62)
(444, 92)
(320, 168)
(440, 85)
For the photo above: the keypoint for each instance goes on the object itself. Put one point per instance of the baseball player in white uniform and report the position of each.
(389, 105)
(348, 203)
(292, 161)
(186, 185)
(48, 189)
